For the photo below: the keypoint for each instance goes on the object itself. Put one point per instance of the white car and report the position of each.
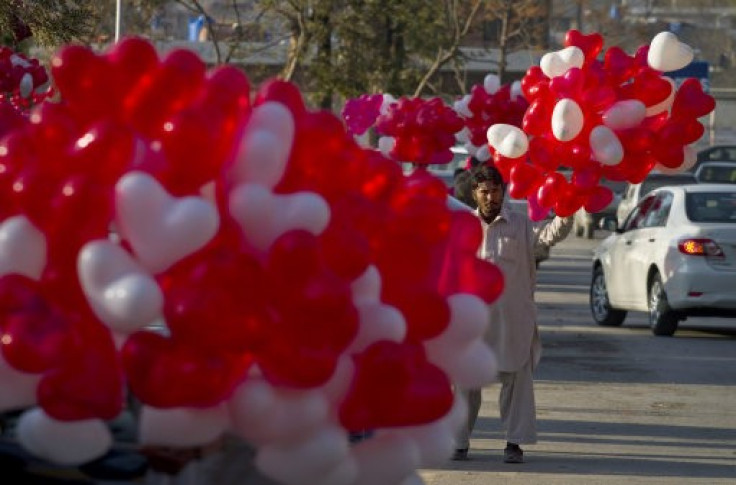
(635, 192)
(674, 257)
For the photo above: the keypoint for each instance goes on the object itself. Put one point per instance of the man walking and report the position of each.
(509, 241)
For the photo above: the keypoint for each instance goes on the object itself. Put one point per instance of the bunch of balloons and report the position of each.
(237, 265)
(24, 82)
(361, 113)
(488, 104)
(617, 118)
(418, 130)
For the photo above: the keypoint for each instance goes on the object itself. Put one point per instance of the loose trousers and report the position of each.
(516, 405)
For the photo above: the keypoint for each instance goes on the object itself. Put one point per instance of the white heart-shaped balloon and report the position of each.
(470, 367)
(463, 136)
(307, 460)
(120, 292)
(385, 145)
(667, 53)
(182, 427)
(62, 442)
(265, 146)
(491, 83)
(22, 248)
(567, 119)
(264, 216)
(263, 414)
(625, 114)
(483, 154)
(516, 91)
(605, 146)
(26, 85)
(557, 63)
(160, 228)
(461, 107)
(367, 287)
(378, 322)
(508, 140)
(17, 389)
(469, 317)
(386, 103)
(666, 104)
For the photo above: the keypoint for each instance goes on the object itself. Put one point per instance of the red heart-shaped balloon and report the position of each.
(89, 383)
(541, 154)
(536, 120)
(648, 86)
(36, 334)
(535, 84)
(691, 102)
(394, 385)
(569, 85)
(165, 373)
(568, 200)
(462, 271)
(618, 64)
(598, 199)
(590, 44)
(524, 179)
(586, 178)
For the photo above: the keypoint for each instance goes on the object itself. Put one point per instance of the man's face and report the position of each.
(489, 198)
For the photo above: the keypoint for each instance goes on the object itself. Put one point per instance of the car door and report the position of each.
(645, 242)
(626, 257)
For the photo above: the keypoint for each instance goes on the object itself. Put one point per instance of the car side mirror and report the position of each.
(608, 223)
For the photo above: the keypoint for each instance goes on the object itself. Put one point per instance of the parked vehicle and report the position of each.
(585, 223)
(717, 153)
(635, 192)
(716, 172)
(674, 257)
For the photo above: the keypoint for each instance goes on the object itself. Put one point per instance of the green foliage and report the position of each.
(50, 22)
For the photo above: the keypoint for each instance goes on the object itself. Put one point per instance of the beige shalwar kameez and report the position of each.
(509, 242)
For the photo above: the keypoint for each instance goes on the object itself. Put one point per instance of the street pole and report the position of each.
(118, 16)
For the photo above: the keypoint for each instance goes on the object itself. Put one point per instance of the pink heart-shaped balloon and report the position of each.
(534, 210)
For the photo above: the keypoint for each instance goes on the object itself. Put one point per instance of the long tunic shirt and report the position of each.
(510, 242)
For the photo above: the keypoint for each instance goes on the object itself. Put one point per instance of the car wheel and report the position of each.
(600, 307)
(662, 318)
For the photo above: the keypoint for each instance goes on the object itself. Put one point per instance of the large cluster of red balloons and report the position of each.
(422, 130)
(161, 232)
(24, 81)
(618, 118)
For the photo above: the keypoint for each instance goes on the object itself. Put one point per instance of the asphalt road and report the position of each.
(615, 405)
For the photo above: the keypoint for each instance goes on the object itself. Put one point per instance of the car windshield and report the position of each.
(717, 173)
(711, 206)
(653, 183)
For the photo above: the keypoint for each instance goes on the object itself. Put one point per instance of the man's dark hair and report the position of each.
(473, 162)
(485, 173)
(462, 191)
